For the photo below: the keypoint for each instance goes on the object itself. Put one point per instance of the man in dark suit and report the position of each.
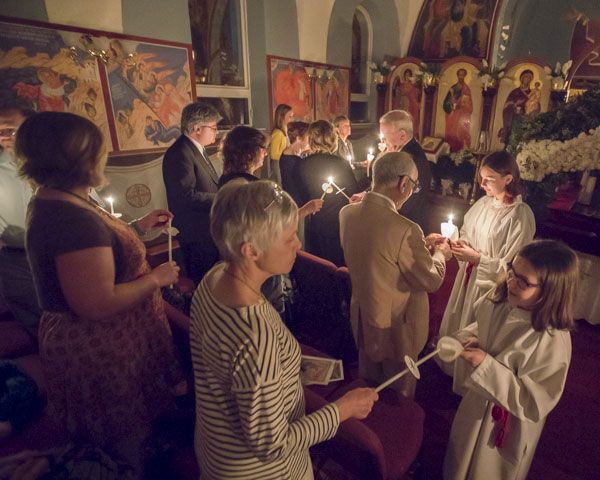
(397, 129)
(191, 184)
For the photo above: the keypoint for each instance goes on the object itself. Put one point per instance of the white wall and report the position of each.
(313, 26)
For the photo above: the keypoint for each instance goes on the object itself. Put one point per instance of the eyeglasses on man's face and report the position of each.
(416, 187)
(520, 281)
(215, 129)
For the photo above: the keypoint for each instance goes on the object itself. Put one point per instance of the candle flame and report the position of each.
(381, 137)
(109, 200)
(370, 151)
(450, 217)
(330, 179)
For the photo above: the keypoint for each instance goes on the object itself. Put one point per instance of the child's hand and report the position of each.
(473, 355)
(464, 253)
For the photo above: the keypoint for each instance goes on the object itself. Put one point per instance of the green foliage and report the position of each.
(579, 115)
(464, 172)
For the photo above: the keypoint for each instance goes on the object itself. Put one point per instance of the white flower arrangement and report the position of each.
(490, 75)
(463, 155)
(558, 74)
(539, 158)
(379, 73)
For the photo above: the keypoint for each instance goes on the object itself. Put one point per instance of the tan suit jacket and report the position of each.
(391, 271)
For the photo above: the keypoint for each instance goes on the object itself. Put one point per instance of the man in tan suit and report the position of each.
(392, 270)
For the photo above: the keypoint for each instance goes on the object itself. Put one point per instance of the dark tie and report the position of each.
(210, 165)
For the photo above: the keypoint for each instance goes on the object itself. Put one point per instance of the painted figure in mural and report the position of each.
(515, 106)
(438, 15)
(458, 106)
(155, 132)
(466, 32)
(331, 98)
(293, 88)
(406, 95)
(532, 106)
(456, 27)
(52, 91)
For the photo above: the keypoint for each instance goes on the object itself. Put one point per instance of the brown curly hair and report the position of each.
(240, 148)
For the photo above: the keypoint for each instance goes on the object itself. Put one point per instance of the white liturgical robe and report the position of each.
(523, 372)
(497, 230)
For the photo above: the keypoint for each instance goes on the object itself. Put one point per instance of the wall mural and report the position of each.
(448, 28)
(38, 67)
(315, 91)
(133, 89)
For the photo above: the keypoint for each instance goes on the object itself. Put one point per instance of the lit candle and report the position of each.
(448, 228)
(381, 145)
(370, 158)
(112, 207)
(350, 159)
(339, 190)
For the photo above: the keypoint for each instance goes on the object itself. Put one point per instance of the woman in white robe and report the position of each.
(516, 357)
(493, 231)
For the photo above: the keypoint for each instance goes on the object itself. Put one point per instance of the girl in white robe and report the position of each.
(493, 231)
(516, 359)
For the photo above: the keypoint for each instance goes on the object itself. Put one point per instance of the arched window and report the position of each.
(360, 75)
(219, 42)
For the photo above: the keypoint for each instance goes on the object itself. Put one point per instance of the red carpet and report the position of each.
(568, 447)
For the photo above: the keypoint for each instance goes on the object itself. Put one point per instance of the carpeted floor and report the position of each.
(569, 448)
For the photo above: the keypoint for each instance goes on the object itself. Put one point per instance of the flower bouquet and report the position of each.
(559, 74)
(490, 75)
(380, 73)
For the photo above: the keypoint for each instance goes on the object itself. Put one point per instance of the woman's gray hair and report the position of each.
(250, 212)
(392, 165)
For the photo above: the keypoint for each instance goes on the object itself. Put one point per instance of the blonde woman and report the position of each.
(279, 138)
(322, 234)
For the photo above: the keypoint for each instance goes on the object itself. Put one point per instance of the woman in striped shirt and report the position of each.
(250, 419)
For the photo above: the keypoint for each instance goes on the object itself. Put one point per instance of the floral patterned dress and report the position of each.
(108, 379)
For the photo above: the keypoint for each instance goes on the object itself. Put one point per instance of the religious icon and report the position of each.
(458, 106)
(406, 95)
(522, 102)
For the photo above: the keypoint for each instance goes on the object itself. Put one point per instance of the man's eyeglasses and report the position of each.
(520, 281)
(277, 196)
(211, 127)
(8, 132)
(416, 185)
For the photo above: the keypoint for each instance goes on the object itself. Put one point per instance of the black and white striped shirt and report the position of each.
(250, 414)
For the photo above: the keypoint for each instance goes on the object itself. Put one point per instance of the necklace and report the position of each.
(241, 280)
(97, 208)
(86, 200)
